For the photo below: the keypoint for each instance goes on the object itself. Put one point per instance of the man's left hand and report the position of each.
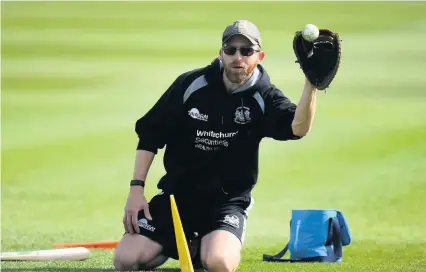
(319, 59)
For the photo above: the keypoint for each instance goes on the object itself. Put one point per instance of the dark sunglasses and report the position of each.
(245, 51)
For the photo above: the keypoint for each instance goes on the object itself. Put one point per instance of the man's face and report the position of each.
(237, 66)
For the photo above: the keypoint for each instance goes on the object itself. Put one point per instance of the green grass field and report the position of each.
(76, 76)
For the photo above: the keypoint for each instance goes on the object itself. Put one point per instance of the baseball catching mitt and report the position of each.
(319, 59)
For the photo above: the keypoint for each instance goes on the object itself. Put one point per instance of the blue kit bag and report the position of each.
(315, 236)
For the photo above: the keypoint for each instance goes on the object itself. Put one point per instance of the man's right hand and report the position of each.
(136, 201)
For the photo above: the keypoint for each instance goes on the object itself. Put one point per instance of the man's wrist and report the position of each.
(309, 86)
(137, 190)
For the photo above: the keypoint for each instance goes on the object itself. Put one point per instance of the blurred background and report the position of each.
(77, 75)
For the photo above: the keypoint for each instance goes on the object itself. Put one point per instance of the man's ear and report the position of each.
(220, 54)
(261, 56)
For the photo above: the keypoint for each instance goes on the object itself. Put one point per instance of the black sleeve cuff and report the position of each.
(146, 145)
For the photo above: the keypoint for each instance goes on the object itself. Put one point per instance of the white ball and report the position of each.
(310, 32)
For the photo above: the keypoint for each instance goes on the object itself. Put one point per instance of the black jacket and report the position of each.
(211, 136)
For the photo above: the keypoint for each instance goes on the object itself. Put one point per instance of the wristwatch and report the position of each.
(137, 182)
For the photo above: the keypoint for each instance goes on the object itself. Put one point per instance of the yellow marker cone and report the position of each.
(182, 246)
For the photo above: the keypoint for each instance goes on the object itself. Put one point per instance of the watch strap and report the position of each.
(137, 182)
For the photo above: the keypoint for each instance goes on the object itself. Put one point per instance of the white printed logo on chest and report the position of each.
(195, 113)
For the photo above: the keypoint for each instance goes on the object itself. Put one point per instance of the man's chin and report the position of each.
(236, 79)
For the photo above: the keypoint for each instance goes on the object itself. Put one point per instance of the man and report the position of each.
(211, 121)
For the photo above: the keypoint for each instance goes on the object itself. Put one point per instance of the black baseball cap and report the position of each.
(245, 28)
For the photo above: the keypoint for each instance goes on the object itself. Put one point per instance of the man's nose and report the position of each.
(238, 55)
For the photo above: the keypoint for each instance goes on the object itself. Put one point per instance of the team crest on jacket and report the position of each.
(242, 115)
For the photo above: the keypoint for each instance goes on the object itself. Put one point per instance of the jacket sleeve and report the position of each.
(157, 125)
(279, 115)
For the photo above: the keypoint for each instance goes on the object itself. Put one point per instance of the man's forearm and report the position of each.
(305, 111)
(143, 163)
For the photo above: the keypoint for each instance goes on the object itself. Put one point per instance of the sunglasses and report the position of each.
(245, 51)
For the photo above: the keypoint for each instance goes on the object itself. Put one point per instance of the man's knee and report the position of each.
(125, 262)
(220, 251)
(153, 263)
(134, 251)
(221, 262)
